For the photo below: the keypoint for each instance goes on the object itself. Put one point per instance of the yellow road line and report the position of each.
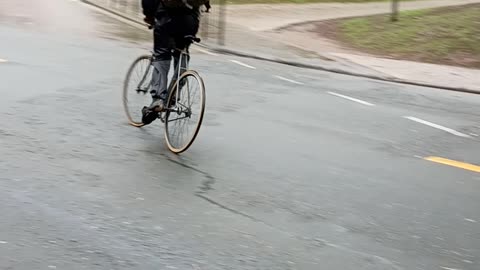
(454, 163)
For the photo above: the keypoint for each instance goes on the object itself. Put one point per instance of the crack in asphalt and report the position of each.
(208, 182)
(207, 185)
(229, 209)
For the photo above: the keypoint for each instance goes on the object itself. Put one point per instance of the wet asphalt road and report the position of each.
(285, 174)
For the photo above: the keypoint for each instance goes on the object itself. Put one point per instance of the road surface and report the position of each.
(292, 169)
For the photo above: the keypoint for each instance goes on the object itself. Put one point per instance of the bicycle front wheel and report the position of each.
(185, 109)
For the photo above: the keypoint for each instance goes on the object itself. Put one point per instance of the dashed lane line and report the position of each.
(288, 80)
(351, 99)
(437, 126)
(206, 52)
(242, 64)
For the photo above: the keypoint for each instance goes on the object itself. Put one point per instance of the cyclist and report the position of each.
(170, 26)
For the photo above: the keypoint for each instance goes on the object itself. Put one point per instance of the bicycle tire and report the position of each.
(172, 101)
(128, 89)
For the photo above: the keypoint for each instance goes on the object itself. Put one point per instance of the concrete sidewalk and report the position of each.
(263, 17)
(283, 28)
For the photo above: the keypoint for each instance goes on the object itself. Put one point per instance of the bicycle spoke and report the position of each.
(184, 106)
(187, 113)
(177, 119)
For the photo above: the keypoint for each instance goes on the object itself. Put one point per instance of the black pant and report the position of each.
(170, 29)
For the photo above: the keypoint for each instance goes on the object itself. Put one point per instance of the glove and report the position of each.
(149, 20)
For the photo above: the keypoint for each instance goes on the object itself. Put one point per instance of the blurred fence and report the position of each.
(212, 24)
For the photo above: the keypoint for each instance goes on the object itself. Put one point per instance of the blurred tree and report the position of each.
(394, 16)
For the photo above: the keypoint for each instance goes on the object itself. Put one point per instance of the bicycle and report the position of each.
(180, 103)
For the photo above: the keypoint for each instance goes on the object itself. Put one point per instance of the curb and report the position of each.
(224, 50)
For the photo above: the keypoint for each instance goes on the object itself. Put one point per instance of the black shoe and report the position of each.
(150, 113)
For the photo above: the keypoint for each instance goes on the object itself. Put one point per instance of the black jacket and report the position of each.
(150, 7)
(154, 8)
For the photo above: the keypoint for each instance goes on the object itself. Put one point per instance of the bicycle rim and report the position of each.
(136, 89)
(186, 108)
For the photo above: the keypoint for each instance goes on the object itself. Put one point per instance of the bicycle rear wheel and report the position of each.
(185, 109)
(136, 89)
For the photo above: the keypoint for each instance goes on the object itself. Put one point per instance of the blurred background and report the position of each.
(338, 134)
(434, 31)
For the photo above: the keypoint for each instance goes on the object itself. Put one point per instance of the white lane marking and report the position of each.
(448, 268)
(288, 80)
(242, 64)
(474, 134)
(470, 220)
(3, 60)
(206, 52)
(3, 242)
(352, 99)
(446, 129)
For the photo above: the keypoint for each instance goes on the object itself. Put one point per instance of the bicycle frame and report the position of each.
(185, 87)
(179, 69)
(183, 53)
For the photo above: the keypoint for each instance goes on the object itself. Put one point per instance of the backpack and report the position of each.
(184, 3)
